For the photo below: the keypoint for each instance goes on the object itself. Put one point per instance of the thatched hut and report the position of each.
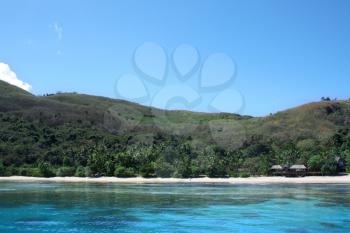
(276, 170)
(276, 167)
(297, 170)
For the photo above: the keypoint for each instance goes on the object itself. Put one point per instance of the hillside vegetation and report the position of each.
(72, 134)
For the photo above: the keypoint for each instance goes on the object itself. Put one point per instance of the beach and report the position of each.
(344, 179)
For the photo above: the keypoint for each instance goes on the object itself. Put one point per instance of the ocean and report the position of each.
(80, 207)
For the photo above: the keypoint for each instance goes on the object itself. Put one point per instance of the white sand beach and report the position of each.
(344, 179)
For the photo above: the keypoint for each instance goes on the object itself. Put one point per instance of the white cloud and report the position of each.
(7, 75)
(58, 29)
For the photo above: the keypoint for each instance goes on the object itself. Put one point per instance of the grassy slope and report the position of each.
(317, 120)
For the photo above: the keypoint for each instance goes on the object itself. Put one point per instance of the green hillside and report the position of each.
(75, 134)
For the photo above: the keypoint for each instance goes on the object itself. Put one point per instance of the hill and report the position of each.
(71, 130)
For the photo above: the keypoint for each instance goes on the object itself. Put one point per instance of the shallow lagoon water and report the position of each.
(66, 207)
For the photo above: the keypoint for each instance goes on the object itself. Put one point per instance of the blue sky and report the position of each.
(286, 53)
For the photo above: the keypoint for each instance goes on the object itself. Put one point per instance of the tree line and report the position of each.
(33, 149)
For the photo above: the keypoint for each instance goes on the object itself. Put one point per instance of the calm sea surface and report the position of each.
(57, 207)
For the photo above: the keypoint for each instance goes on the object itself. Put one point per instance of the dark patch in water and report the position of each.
(35, 221)
(281, 203)
(34, 218)
(297, 230)
(325, 204)
(250, 215)
(169, 210)
(329, 225)
(103, 222)
(247, 201)
(106, 219)
(302, 198)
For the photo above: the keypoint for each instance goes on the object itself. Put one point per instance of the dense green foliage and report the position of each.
(37, 150)
(79, 135)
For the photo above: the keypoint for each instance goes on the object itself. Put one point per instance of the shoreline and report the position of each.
(344, 179)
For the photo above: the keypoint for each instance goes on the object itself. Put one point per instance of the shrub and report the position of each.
(347, 162)
(164, 169)
(195, 171)
(234, 174)
(65, 171)
(109, 168)
(28, 171)
(35, 172)
(67, 161)
(23, 171)
(121, 171)
(80, 172)
(315, 163)
(329, 167)
(2, 169)
(45, 170)
(11, 171)
(147, 170)
(88, 172)
(244, 175)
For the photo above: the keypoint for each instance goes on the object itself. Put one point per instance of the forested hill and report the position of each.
(74, 134)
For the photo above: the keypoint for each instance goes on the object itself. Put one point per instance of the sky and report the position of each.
(252, 57)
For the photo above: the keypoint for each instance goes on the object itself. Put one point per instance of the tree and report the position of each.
(289, 154)
(125, 159)
(98, 158)
(2, 169)
(257, 165)
(329, 167)
(88, 172)
(163, 169)
(45, 169)
(347, 158)
(256, 149)
(148, 170)
(121, 171)
(80, 172)
(213, 162)
(264, 164)
(67, 161)
(109, 165)
(183, 167)
(65, 171)
(315, 163)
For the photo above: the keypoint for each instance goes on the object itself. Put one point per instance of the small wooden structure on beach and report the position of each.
(294, 170)
(297, 170)
(277, 170)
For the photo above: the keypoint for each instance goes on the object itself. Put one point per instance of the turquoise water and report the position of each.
(57, 207)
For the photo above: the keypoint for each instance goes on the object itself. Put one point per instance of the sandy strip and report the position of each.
(345, 179)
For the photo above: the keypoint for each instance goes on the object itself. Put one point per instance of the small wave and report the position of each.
(4, 189)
